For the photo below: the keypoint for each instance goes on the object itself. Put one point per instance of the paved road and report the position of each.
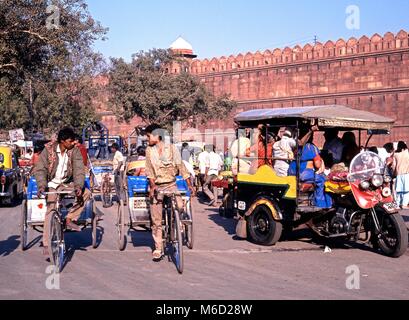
(219, 268)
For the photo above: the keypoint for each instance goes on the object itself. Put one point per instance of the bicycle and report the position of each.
(57, 226)
(172, 228)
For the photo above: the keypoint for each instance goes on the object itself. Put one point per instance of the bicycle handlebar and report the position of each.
(59, 193)
(172, 193)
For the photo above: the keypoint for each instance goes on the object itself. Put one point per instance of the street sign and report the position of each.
(16, 135)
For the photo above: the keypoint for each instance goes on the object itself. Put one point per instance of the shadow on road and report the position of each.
(9, 246)
(229, 225)
(80, 241)
(142, 238)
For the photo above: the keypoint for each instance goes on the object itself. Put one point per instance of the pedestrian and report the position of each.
(118, 165)
(215, 164)
(402, 175)
(186, 152)
(203, 161)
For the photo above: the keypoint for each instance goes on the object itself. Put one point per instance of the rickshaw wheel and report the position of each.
(177, 245)
(121, 226)
(94, 226)
(56, 245)
(188, 230)
(24, 227)
(262, 228)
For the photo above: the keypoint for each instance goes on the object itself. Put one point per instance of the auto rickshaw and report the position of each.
(360, 205)
(11, 176)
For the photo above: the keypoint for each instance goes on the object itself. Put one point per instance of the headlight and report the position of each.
(388, 179)
(386, 192)
(365, 185)
(377, 181)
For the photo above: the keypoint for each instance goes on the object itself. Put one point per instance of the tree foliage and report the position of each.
(145, 88)
(47, 64)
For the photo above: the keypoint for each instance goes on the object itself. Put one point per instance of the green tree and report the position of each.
(146, 89)
(47, 65)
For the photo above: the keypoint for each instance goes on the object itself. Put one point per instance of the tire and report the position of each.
(94, 227)
(394, 226)
(106, 194)
(188, 230)
(121, 226)
(24, 227)
(262, 228)
(56, 244)
(177, 245)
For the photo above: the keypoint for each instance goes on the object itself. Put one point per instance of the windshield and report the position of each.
(365, 165)
(1, 158)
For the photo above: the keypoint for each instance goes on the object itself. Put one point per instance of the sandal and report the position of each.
(157, 255)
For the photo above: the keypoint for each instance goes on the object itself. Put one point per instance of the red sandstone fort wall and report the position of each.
(367, 73)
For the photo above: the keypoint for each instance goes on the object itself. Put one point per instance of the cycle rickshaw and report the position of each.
(177, 229)
(33, 216)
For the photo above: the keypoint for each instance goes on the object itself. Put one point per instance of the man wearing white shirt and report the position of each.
(203, 160)
(118, 166)
(215, 163)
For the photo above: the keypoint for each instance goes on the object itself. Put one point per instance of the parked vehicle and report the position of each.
(11, 177)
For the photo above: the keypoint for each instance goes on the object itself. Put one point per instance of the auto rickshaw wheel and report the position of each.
(262, 228)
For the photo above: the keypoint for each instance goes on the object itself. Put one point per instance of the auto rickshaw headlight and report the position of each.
(388, 179)
(365, 185)
(386, 192)
(377, 180)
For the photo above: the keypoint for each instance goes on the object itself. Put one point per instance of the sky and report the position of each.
(218, 28)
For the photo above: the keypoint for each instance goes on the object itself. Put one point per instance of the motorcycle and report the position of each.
(368, 214)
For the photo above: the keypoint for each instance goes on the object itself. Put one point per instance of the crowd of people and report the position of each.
(278, 149)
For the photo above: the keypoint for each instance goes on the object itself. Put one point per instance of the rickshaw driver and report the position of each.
(61, 167)
(163, 164)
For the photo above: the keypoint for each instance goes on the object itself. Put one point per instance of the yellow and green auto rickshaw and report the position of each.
(11, 178)
(351, 200)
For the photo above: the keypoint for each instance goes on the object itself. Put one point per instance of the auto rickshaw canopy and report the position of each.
(329, 116)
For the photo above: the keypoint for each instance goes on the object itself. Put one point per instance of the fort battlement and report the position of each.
(309, 53)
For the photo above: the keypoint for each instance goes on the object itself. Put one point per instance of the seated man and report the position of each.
(283, 153)
(136, 167)
(61, 167)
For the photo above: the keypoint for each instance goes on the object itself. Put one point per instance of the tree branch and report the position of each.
(35, 34)
(8, 65)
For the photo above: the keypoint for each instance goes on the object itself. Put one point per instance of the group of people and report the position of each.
(397, 163)
(278, 149)
(62, 166)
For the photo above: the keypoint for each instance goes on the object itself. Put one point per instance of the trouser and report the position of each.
(402, 199)
(118, 185)
(208, 185)
(75, 211)
(156, 209)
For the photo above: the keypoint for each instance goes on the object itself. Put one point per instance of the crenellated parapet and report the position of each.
(308, 52)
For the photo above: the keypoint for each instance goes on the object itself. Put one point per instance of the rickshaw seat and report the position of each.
(137, 185)
(33, 188)
(140, 185)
